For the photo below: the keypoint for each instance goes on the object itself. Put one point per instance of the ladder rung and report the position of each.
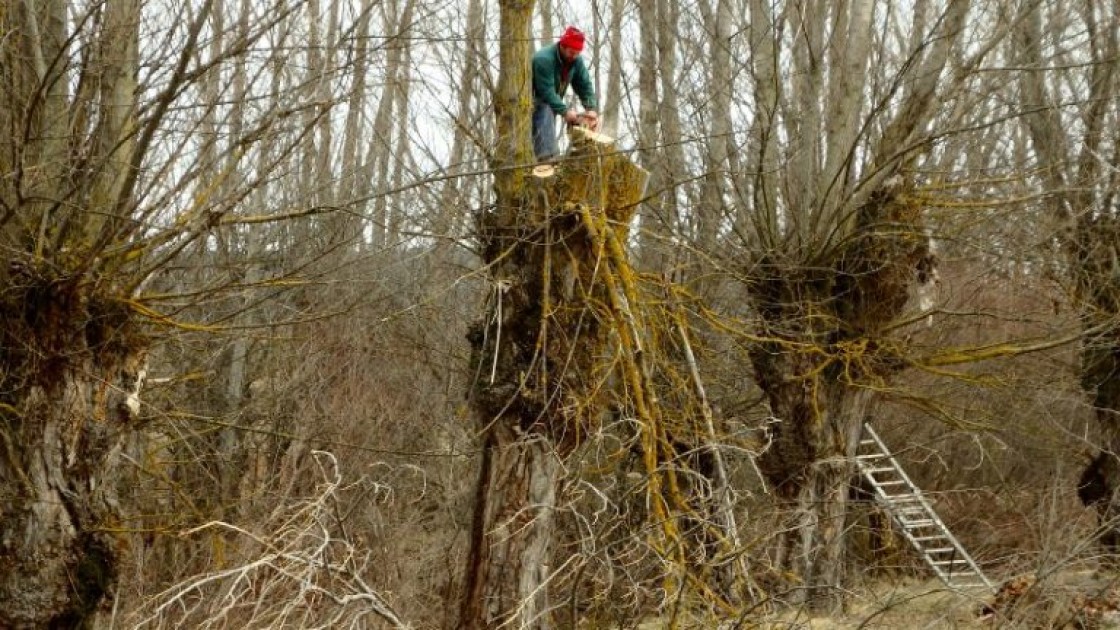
(908, 507)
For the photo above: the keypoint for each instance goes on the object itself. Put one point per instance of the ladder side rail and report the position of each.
(928, 507)
(887, 501)
(947, 535)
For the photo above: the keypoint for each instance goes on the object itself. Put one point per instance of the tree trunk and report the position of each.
(717, 165)
(70, 357)
(506, 568)
(535, 351)
(612, 98)
(832, 243)
(1100, 373)
(819, 356)
(657, 222)
(69, 360)
(548, 33)
(671, 152)
(810, 471)
(448, 218)
(512, 534)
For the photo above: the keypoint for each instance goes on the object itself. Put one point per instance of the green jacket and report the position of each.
(551, 77)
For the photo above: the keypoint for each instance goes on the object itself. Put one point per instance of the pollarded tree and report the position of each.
(538, 354)
(70, 349)
(842, 111)
(104, 185)
(1071, 117)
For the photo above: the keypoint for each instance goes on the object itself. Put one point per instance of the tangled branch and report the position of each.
(303, 575)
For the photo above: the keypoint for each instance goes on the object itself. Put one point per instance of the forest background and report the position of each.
(248, 299)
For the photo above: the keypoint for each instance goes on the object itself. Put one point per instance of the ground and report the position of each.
(1073, 599)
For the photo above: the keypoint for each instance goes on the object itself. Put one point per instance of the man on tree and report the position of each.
(555, 67)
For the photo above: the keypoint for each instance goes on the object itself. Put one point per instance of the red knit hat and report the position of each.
(572, 38)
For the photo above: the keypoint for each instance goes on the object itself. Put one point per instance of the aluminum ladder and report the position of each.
(906, 504)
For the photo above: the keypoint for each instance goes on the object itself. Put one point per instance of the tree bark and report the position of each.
(70, 356)
(671, 151)
(612, 97)
(512, 534)
(512, 527)
(809, 465)
(467, 123)
(379, 154)
(68, 360)
(657, 223)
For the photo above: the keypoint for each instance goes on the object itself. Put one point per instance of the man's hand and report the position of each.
(590, 119)
(571, 117)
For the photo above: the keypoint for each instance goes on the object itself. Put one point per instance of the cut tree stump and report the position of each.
(594, 172)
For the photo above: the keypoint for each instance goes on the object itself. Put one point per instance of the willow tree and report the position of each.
(100, 192)
(845, 101)
(69, 348)
(538, 353)
(1077, 147)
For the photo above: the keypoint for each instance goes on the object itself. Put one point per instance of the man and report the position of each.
(555, 67)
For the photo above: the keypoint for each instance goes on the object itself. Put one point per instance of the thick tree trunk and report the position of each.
(810, 465)
(504, 584)
(512, 534)
(536, 352)
(822, 351)
(1100, 373)
(1089, 226)
(538, 391)
(70, 358)
(69, 364)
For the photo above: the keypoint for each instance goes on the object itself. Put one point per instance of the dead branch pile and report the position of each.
(299, 571)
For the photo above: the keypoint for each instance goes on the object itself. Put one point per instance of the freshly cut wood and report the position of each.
(585, 135)
(594, 172)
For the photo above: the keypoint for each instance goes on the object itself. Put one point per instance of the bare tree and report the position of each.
(1078, 152)
(614, 74)
(119, 162)
(658, 218)
(832, 244)
(71, 350)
